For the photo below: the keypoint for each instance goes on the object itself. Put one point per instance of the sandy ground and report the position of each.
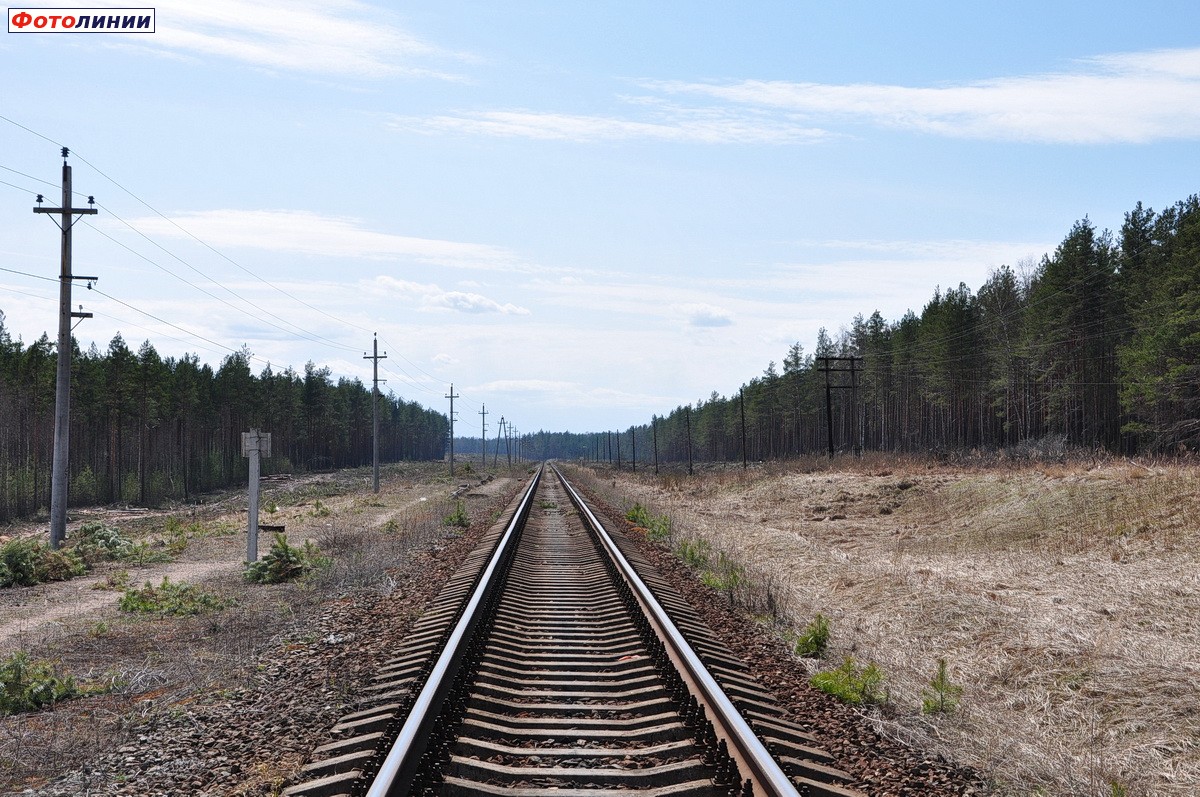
(306, 507)
(1063, 598)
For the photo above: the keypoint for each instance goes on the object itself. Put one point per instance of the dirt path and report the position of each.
(28, 615)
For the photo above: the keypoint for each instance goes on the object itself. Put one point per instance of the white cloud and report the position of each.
(432, 297)
(707, 126)
(1130, 98)
(315, 234)
(564, 393)
(331, 37)
(705, 315)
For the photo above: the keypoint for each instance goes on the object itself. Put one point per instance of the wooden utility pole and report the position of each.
(855, 365)
(62, 385)
(375, 357)
(499, 433)
(451, 395)
(617, 435)
(633, 447)
(654, 432)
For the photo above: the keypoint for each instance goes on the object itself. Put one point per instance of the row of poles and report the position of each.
(67, 215)
(829, 365)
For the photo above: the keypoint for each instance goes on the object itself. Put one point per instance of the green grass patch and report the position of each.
(853, 683)
(694, 553)
(658, 527)
(458, 517)
(814, 640)
(178, 599)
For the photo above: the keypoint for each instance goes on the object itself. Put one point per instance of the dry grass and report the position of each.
(1063, 595)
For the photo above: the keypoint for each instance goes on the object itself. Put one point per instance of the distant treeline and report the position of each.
(1097, 346)
(144, 428)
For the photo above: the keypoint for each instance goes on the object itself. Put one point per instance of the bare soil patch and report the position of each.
(1063, 597)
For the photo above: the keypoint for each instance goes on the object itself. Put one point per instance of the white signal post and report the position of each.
(255, 444)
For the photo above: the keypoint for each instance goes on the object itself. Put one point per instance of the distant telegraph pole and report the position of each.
(62, 385)
(633, 447)
(483, 436)
(855, 365)
(451, 395)
(654, 432)
(499, 433)
(375, 357)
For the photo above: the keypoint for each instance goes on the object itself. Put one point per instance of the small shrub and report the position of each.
(18, 563)
(852, 683)
(726, 576)
(27, 562)
(638, 516)
(458, 517)
(26, 684)
(142, 553)
(694, 553)
(814, 641)
(285, 562)
(658, 527)
(60, 565)
(171, 598)
(942, 697)
(321, 510)
(96, 541)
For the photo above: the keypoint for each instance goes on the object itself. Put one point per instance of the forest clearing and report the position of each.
(1060, 596)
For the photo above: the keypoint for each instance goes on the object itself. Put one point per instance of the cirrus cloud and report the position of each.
(1120, 98)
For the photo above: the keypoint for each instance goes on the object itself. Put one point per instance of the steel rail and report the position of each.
(398, 768)
(767, 777)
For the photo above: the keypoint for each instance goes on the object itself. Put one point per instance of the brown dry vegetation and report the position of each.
(145, 667)
(1064, 597)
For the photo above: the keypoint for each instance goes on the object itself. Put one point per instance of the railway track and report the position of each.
(556, 662)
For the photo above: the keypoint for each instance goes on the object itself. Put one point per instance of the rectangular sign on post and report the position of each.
(256, 441)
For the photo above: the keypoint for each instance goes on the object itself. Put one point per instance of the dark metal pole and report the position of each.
(654, 430)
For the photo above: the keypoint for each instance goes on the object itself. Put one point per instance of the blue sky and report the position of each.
(578, 213)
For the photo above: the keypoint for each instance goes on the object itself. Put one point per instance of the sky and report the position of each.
(579, 214)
